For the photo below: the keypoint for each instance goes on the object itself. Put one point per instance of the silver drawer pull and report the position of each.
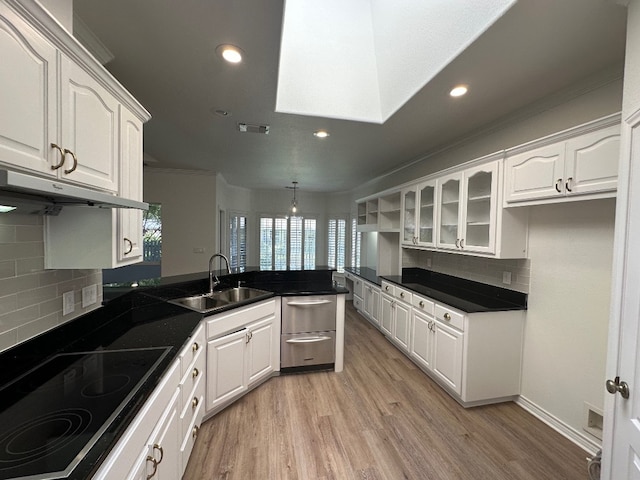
(401, 294)
(308, 339)
(447, 316)
(155, 466)
(195, 373)
(421, 304)
(195, 347)
(309, 303)
(194, 402)
(194, 432)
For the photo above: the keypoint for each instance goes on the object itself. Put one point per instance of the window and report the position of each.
(287, 243)
(238, 242)
(336, 243)
(152, 233)
(356, 237)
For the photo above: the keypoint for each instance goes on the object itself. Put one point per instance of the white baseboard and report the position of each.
(577, 437)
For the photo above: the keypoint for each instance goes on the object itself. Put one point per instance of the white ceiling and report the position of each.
(165, 55)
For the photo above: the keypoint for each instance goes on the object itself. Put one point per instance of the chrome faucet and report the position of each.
(214, 283)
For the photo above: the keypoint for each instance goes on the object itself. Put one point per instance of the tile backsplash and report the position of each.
(479, 269)
(30, 296)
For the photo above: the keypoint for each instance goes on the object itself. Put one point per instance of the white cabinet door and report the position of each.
(447, 356)
(375, 305)
(28, 122)
(480, 200)
(592, 162)
(89, 126)
(166, 446)
(226, 371)
(426, 220)
(129, 221)
(535, 174)
(386, 314)
(402, 324)
(449, 211)
(409, 216)
(260, 350)
(421, 347)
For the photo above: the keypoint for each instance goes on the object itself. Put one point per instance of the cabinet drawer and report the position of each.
(192, 401)
(422, 304)
(388, 288)
(449, 317)
(193, 348)
(403, 294)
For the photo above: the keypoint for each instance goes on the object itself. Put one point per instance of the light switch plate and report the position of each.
(68, 303)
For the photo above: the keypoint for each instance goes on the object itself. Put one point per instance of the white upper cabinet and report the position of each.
(60, 108)
(28, 95)
(467, 207)
(583, 163)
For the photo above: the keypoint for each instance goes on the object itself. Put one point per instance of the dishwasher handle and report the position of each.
(308, 303)
(313, 339)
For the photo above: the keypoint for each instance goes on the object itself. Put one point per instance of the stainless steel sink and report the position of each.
(210, 302)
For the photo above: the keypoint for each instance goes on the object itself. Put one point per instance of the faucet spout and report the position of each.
(213, 279)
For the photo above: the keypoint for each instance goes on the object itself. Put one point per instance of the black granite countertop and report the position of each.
(466, 295)
(143, 319)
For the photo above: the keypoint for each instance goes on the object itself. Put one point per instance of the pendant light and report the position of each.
(294, 202)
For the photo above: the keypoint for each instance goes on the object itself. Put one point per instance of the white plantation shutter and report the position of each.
(355, 244)
(287, 243)
(238, 241)
(336, 243)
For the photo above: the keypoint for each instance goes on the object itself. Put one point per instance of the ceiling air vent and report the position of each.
(249, 128)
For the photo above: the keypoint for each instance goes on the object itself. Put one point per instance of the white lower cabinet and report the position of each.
(371, 302)
(447, 356)
(242, 350)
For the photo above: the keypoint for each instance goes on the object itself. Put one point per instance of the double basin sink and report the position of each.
(210, 302)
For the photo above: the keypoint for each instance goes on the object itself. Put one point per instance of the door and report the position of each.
(402, 321)
(449, 209)
(592, 162)
(28, 123)
(621, 441)
(426, 214)
(386, 314)
(409, 213)
(480, 194)
(535, 174)
(447, 356)
(89, 129)
(422, 338)
(260, 349)
(226, 375)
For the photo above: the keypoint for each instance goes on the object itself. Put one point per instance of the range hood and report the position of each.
(24, 189)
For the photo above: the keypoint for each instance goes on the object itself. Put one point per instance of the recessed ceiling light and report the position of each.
(230, 53)
(222, 113)
(459, 90)
(321, 134)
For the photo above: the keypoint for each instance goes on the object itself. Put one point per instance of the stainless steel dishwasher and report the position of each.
(308, 340)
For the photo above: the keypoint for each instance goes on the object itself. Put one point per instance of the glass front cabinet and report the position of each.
(418, 210)
(467, 206)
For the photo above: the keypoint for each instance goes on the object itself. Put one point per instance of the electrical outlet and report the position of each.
(506, 278)
(89, 295)
(68, 303)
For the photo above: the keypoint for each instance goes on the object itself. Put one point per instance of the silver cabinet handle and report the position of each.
(462, 243)
(155, 466)
(159, 448)
(447, 316)
(130, 249)
(195, 347)
(75, 160)
(558, 183)
(58, 165)
(457, 243)
(386, 288)
(194, 432)
(195, 373)
(194, 402)
(421, 304)
(316, 339)
(401, 294)
(568, 184)
(309, 303)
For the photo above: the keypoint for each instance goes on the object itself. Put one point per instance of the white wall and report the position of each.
(571, 250)
(189, 217)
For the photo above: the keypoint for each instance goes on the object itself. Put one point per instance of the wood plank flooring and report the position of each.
(380, 419)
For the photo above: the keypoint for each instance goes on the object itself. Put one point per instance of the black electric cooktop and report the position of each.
(51, 416)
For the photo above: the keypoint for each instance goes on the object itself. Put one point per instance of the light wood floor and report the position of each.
(381, 418)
